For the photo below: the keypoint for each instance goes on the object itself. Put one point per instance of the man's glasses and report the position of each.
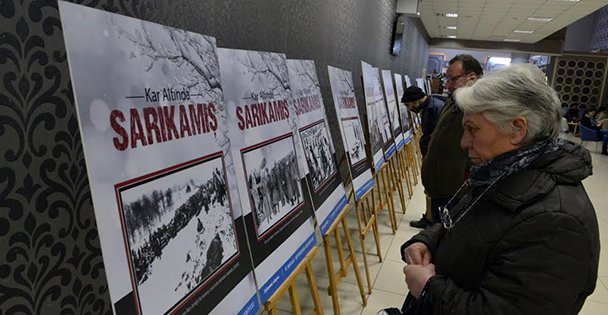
(452, 79)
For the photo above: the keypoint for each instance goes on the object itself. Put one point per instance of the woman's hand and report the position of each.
(417, 254)
(416, 277)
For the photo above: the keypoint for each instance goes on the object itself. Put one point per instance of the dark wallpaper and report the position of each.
(50, 258)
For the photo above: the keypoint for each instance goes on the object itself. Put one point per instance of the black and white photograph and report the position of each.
(405, 117)
(180, 231)
(273, 182)
(375, 133)
(355, 141)
(317, 149)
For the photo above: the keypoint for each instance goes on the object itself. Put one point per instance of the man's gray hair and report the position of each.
(511, 92)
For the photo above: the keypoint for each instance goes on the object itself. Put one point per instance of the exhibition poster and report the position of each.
(420, 82)
(392, 108)
(376, 115)
(403, 111)
(274, 196)
(324, 181)
(150, 109)
(408, 82)
(345, 103)
(389, 140)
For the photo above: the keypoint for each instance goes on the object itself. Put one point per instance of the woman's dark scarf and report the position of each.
(511, 162)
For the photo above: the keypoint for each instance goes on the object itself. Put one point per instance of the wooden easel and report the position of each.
(405, 169)
(345, 262)
(396, 184)
(382, 178)
(290, 285)
(366, 221)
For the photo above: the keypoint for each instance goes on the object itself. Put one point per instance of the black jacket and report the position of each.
(430, 115)
(445, 163)
(530, 245)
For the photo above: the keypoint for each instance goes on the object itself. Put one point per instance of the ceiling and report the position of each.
(502, 20)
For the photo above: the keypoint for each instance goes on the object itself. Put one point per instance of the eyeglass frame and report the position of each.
(452, 79)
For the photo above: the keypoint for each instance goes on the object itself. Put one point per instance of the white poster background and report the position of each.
(345, 104)
(392, 108)
(113, 60)
(376, 130)
(305, 86)
(408, 82)
(403, 111)
(250, 77)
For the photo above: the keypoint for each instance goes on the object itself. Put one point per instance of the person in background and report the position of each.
(429, 108)
(590, 122)
(445, 164)
(572, 113)
(602, 117)
(524, 239)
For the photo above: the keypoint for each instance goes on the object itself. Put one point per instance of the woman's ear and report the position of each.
(521, 129)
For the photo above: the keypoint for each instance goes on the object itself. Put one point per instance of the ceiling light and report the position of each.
(450, 15)
(451, 36)
(540, 19)
(451, 27)
(523, 32)
(512, 40)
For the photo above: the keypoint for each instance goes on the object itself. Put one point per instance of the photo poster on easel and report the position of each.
(408, 82)
(324, 181)
(420, 83)
(345, 104)
(406, 128)
(389, 141)
(274, 196)
(375, 125)
(149, 105)
(392, 108)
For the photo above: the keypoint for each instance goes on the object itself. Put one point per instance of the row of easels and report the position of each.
(399, 168)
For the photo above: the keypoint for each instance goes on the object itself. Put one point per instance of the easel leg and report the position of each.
(351, 250)
(362, 237)
(314, 292)
(333, 290)
(295, 302)
(373, 218)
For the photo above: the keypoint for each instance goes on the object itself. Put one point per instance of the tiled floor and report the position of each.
(389, 289)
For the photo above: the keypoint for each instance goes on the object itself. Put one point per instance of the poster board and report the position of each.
(164, 193)
(324, 181)
(345, 104)
(407, 80)
(377, 118)
(267, 155)
(404, 113)
(421, 84)
(392, 108)
(389, 141)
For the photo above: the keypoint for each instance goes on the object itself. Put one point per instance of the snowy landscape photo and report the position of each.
(317, 150)
(273, 183)
(355, 142)
(180, 231)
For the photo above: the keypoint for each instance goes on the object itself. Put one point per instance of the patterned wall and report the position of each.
(50, 259)
(580, 79)
(599, 36)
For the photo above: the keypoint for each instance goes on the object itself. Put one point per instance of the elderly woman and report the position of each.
(524, 239)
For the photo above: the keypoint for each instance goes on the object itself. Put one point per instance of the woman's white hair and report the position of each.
(518, 90)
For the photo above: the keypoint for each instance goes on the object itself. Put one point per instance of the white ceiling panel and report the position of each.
(497, 19)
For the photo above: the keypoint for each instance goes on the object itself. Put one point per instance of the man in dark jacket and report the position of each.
(429, 108)
(445, 164)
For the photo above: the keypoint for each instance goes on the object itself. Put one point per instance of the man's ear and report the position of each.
(521, 129)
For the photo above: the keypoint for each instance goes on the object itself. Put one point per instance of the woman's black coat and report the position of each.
(530, 245)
